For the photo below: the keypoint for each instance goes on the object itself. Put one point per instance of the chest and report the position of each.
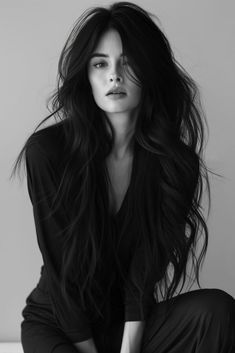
(119, 175)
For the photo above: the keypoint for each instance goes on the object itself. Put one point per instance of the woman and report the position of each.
(116, 186)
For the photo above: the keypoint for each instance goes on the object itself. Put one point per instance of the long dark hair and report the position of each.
(170, 128)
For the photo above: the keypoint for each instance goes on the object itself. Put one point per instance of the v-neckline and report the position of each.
(116, 215)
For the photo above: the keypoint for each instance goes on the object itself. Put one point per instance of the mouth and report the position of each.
(116, 91)
(116, 94)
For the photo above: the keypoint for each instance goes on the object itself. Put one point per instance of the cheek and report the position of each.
(96, 85)
(137, 93)
(96, 89)
(134, 88)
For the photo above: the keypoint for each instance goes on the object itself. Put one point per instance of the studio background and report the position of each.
(32, 34)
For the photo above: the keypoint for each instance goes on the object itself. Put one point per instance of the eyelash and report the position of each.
(95, 65)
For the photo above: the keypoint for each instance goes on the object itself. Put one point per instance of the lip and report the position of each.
(116, 96)
(116, 90)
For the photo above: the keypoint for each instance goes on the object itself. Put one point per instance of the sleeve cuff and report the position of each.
(138, 311)
(134, 313)
(78, 336)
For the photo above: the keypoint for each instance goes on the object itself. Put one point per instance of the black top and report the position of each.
(43, 158)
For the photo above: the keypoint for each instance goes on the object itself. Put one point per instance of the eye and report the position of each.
(125, 62)
(98, 65)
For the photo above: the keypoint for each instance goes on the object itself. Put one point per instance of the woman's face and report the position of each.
(106, 71)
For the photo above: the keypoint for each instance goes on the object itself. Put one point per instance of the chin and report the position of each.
(118, 108)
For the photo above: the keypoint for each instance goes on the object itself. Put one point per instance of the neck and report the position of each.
(124, 127)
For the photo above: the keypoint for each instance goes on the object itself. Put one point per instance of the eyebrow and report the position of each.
(101, 55)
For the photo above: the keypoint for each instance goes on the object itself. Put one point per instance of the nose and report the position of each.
(115, 78)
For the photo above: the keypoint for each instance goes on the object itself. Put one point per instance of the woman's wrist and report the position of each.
(132, 336)
(87, 346)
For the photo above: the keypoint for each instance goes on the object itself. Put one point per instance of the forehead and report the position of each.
(109, 43)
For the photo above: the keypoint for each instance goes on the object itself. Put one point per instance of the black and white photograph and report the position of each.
(118, 176)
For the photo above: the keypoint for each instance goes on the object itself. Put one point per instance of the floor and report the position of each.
(11, 347)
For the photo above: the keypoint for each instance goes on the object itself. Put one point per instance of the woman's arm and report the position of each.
(87, 346)
(43, 180)
(132, 336)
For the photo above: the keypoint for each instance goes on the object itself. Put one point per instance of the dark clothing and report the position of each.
(51, 325)
(44, 164)
(200, 321)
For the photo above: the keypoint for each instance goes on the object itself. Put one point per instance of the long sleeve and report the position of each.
(138, 309)
(42, 182)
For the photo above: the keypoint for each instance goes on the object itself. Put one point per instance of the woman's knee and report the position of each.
(40, 338)
(210, 301)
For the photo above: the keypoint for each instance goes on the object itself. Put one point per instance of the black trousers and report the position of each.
(200, 321)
